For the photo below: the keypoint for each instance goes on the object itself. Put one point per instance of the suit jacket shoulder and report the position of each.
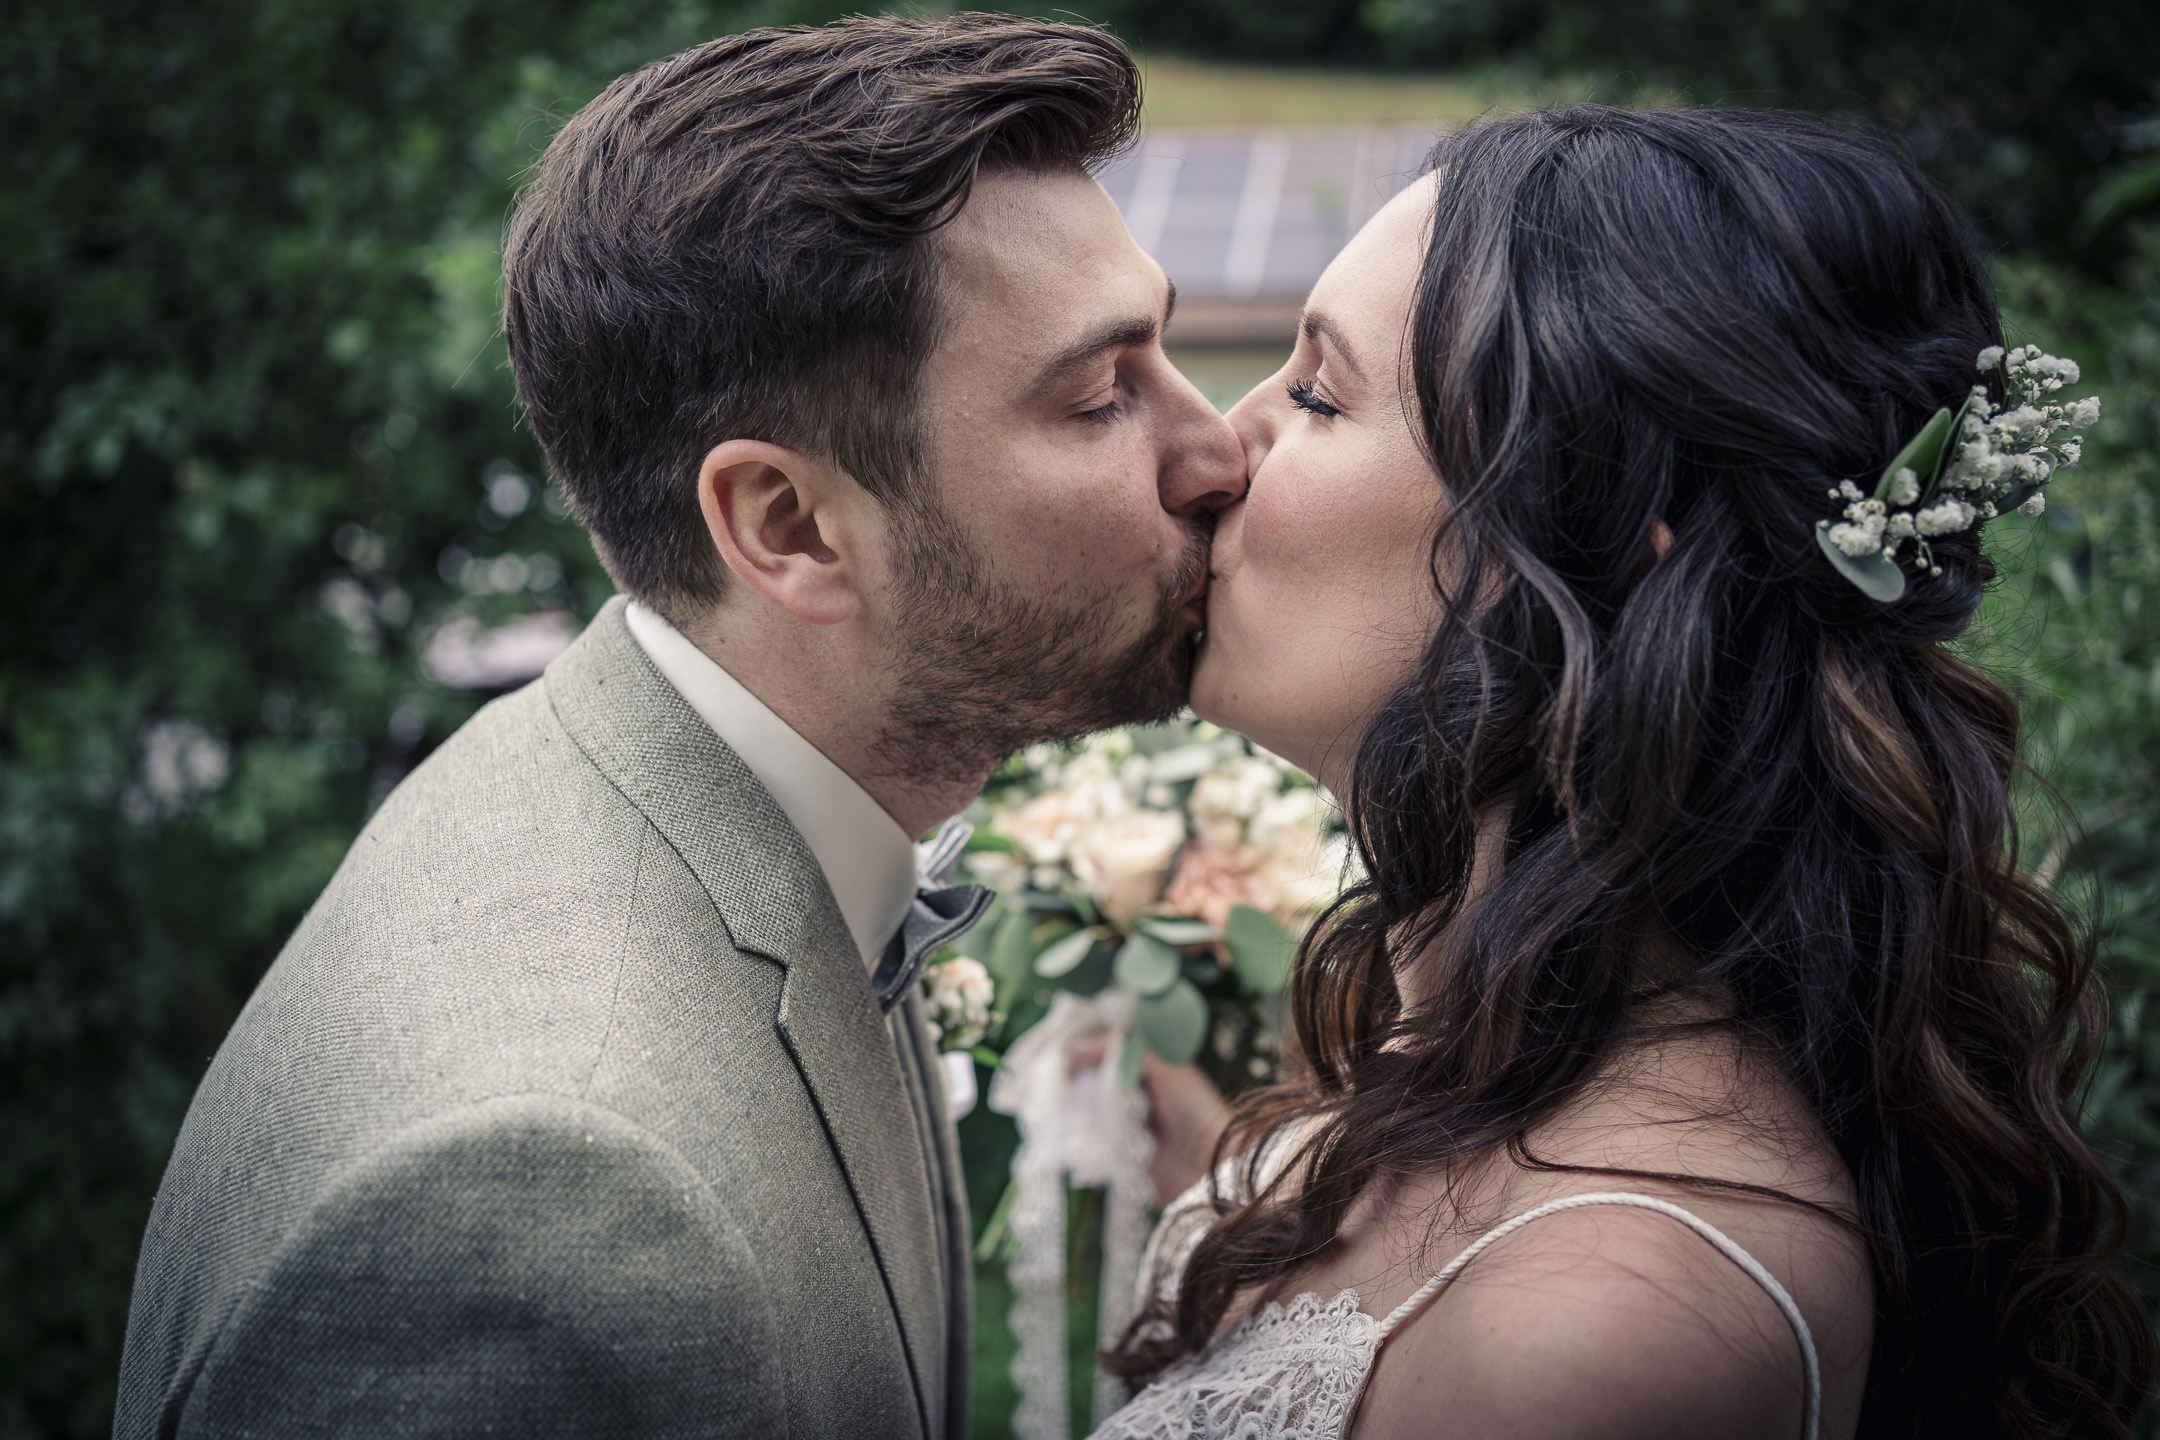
(581, 915)
(433, 1287)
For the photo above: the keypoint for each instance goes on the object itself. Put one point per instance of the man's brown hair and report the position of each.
(736, 242)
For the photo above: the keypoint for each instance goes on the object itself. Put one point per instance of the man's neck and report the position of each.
(830, 689)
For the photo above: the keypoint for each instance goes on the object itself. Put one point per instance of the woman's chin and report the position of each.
(1225, 694)
(1210, 690)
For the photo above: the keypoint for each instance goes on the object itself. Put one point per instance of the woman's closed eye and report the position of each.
(1306, 397)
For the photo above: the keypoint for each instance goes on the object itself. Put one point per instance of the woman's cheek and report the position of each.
(1282, 512)
(1313, 532)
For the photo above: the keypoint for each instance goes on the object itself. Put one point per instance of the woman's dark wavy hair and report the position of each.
(1709, 318)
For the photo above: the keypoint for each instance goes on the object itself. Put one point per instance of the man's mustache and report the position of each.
(1189, 581)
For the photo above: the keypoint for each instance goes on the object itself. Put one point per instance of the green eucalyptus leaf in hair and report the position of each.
(1931, 481)
(2019, 495)
(1923, 455)
(1876, 578)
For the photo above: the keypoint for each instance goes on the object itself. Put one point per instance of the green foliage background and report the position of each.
(255, 432)
(249, 397)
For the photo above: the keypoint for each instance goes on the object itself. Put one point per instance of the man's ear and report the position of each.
(777, 517)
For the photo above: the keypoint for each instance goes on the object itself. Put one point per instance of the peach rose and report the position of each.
(1122, 860)
(1210, 882)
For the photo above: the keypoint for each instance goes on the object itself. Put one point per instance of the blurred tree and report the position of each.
(2042, 122)
(2024, 112)
(256, 441)
(1313, 32)
(2074, 628)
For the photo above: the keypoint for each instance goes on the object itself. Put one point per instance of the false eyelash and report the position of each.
(1306, 398)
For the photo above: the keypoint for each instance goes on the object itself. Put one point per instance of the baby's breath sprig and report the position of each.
(1960, 470)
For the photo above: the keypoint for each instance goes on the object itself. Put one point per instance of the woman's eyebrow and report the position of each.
(1318, 327)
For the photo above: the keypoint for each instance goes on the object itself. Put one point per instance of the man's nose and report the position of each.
(1204, 469)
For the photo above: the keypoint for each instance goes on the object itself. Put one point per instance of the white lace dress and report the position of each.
(1296, 1371)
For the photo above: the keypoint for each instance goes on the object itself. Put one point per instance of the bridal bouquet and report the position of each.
(1154, 883)
(1171, 862)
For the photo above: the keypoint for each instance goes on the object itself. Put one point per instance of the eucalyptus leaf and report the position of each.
(1012, 947)
(1877, 578)
(1145, 964)
(1923, 455)
(1062, 957)
(1174, 1023)
(1262, 950)
(1082, 905)
(1950, 444)
(1176, 930)
(1129, 1059)
(2025, 491)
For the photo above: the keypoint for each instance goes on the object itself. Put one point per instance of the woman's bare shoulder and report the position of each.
(1612, 1320)
(1601, 1321)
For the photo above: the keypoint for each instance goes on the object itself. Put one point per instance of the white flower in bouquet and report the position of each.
(1227, 798)
(1043, 830)
(1298, 871)
(1122, 860)
(958, 997)
(1296, 813)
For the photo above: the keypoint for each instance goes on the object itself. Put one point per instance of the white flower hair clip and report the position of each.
(1960, 470)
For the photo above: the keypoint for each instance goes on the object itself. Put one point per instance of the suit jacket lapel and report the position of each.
(928, 1107)
(775, 903)
(920, 1058)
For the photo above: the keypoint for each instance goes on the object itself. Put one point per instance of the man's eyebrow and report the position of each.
(1317, 326)
(1117, 335)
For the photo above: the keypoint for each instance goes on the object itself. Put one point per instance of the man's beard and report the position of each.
(984, 669)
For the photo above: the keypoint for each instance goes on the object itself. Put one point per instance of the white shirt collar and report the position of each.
(868, 860)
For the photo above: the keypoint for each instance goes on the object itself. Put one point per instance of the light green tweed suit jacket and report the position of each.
(568, 1110)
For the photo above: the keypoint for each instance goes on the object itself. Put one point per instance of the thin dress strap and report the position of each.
(1811, 1414)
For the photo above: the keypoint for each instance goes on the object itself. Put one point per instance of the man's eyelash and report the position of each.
(1102, 414)
(1305, 397)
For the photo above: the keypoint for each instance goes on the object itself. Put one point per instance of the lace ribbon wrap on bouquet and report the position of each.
(1077, 1129)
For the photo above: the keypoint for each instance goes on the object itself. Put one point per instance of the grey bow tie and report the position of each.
(941, 913)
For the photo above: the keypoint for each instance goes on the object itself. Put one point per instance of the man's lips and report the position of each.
(1197, 560)
(1194, 613)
